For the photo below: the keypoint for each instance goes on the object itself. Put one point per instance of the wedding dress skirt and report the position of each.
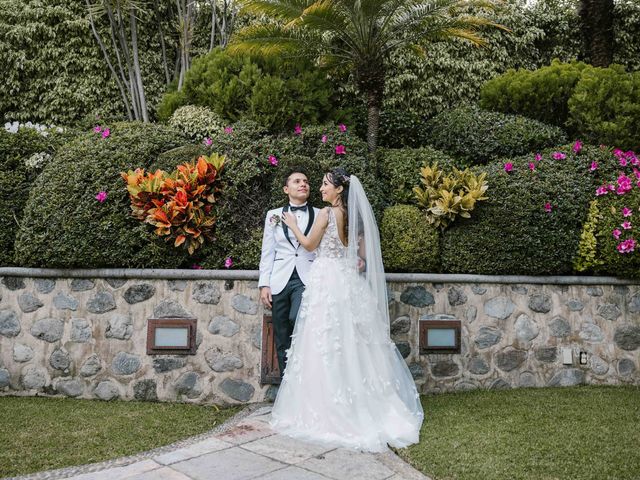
(346, 384)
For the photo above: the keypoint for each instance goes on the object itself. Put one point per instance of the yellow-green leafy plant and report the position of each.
(446, 196)
(587, 249)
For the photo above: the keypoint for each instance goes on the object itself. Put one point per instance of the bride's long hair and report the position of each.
(338, 177)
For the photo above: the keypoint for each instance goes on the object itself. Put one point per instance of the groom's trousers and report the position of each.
(284, 310)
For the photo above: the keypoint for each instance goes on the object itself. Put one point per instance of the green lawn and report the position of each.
(46, 433)
(543, 434)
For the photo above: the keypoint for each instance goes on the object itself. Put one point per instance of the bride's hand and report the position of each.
(289, 219)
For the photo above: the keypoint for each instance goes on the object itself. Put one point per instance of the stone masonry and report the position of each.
(86, 337)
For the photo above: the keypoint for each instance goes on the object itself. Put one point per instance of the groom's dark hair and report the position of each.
(291, 171)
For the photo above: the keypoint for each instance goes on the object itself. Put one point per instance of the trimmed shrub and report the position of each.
(64, 226)
(23, 154)
(542, 94)
(196, 122)
(277, 94)
(475, 136)
(532, 222)
(400, 170)
(605, 107)
(408, 242)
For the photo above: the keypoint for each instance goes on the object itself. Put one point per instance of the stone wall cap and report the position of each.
(188, 274)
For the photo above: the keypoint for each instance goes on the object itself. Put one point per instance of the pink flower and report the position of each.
(207, 141)
(340, 150)
(106, 132)
(558, 156)
(101, 196)
(97, 129)
(618, 153)
(342, 127)
(538, 157)
(508, 167)
(298, 129)
(577, 146)
(547, 207)
(623, 161)
(627, 246)
(624, 184)
(273, 160)
(594, 166)
(603, 190)
(532, 166)
(228, 129)
(616, 233)
(626, 212)
(195, 266)
(228, 262)
(626, 225)
(324, 139)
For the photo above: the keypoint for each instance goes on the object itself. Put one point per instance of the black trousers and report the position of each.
(284, 310)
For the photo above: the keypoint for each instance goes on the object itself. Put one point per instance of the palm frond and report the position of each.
(281, 9)
(266, 40)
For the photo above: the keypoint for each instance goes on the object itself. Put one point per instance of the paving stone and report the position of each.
(293, 473)
(245, 431)
(206, 446)
(164, 473)
(343, 464)
(285, 449)
(232, 463)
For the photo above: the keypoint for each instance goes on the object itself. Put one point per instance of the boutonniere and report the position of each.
(275, 220)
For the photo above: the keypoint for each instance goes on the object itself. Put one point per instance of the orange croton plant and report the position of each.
(179, 205)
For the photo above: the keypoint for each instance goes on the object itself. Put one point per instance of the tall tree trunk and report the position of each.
(596, 17)
(136, 66)
(371, 82)
(165, 65)
(213, 25)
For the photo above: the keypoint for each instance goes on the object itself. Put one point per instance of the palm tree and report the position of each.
(358, 35)
(596, 19)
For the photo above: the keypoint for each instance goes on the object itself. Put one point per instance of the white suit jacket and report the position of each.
(281, 252)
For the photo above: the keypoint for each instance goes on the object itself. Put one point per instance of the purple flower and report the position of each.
(106, 132)
(342, 127)
(532, 166)
(577, 146)
(548, 207)
(97, 129)
(626, 212)
(101, 196)
(538, 157)
(627, 246)
(228, 130)
(207, 141)
(616, 233)
(594, 166)
(324, 139)
(508, 167)
(626, 225)
(273, 160)
(195, 266)
(228, 262)
(298, 129)
(558, 156)
(340, 150)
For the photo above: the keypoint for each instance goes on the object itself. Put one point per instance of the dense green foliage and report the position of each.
(542, 94)
(196, 123)
(65, 226)
(400, 170)
(475, 136)
(532, 221)
(408, 242)
(605, 107)
(273, 93)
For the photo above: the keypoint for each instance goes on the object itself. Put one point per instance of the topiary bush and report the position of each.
(24, 152)
(605, 107)
(532, 222)
(195, 122)
(541, 94)
(400, 170)
(65, 226)
(475, 136)
(408, 242)
(276, 94)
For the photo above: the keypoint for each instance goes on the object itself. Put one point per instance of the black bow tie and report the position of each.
(293, 208)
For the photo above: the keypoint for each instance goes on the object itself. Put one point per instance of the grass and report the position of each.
(549, 433)
(47, 433)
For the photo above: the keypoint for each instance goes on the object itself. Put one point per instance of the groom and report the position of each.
(284, 264)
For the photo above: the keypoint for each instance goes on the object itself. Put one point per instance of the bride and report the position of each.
(345, 383)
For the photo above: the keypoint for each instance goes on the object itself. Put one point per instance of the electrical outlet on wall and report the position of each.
(567, 356)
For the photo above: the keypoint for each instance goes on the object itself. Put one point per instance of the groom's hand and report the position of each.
(265, 296)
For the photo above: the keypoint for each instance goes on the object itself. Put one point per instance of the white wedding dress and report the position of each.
(346, 384)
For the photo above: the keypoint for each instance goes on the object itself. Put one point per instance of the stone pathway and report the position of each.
(243, 448)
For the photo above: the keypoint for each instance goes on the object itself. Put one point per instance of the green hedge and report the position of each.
(408, 242)
(542, 94)
(16, 178)
(400, 170)
(475, 136)
(605, 107)
(511, 233)
(276, 94)
(64, 226)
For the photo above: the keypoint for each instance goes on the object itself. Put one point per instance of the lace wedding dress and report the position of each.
(345, 384)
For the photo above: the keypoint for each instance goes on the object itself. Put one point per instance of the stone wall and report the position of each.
(512, 334)
(86, 337)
